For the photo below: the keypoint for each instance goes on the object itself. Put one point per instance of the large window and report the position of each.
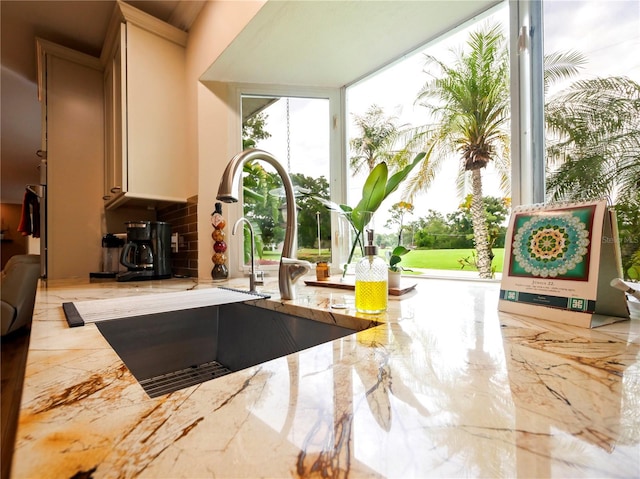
(574, 120)
(591, 110)
(405, 107)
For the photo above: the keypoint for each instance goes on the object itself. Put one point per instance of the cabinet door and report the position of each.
(155, 115)
(75, 126)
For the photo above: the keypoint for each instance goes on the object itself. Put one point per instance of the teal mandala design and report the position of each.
(551, 246)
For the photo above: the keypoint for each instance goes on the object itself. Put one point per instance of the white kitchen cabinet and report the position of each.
(145, 111)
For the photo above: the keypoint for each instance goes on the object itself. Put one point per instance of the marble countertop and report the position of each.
(445, 386)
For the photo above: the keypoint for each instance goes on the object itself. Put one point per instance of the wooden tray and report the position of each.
(336, 283)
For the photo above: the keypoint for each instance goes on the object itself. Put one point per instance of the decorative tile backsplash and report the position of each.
(184, 221)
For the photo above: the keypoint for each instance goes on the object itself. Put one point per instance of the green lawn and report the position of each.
(447, 259)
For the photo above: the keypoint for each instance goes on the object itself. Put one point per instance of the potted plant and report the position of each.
(395, 270)
(377, 187)
(398, 212)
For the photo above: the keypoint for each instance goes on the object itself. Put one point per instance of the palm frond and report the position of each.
(561, 66)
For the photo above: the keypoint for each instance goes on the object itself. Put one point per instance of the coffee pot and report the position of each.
(137, 256)
(147, 252)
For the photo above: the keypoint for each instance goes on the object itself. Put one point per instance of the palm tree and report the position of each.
(469, 102)
(379, 133)
(594, 147)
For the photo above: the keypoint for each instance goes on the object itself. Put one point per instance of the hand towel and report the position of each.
(30, 216)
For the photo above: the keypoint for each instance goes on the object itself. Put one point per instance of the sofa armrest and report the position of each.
(8, 316)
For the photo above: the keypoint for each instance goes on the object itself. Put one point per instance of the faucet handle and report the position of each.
(296, 267)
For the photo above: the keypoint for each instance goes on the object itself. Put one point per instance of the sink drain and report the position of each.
(176, 380)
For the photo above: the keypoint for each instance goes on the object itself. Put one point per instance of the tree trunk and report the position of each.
(480, 233)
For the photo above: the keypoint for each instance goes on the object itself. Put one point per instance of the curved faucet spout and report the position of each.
(229, 192)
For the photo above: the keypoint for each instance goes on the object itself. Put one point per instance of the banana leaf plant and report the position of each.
(377, 187)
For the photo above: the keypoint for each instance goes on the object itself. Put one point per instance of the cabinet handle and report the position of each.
(106, 197)
(116, 189)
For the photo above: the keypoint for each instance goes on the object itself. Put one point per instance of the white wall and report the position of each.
(208, 112)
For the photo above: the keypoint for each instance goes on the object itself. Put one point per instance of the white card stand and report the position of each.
(558, 264)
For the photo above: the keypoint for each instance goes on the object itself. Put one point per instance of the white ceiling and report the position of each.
(305, 43)
(334, 43)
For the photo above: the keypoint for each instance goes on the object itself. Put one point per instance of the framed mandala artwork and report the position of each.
(552, 244)
(559, 262)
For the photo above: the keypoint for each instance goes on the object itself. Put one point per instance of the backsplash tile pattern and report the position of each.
(184, 221)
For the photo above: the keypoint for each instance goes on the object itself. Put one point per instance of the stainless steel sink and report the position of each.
(170, 351)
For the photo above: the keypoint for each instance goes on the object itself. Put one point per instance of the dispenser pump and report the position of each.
(370, 249)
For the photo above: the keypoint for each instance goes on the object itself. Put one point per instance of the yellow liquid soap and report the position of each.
(371, 296)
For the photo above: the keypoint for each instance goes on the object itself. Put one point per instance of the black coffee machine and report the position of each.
(147, 253)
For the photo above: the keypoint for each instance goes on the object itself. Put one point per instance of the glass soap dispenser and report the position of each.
(371, 280)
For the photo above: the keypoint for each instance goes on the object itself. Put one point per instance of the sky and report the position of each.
(607, 32)
(307, 148)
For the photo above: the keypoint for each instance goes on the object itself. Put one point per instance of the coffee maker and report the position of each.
(147, 252)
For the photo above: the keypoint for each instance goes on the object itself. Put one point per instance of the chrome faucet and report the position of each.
(291, 269)
(252, 278)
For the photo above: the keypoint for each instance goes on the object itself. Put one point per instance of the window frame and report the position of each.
(526, 34)
(337, 167)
